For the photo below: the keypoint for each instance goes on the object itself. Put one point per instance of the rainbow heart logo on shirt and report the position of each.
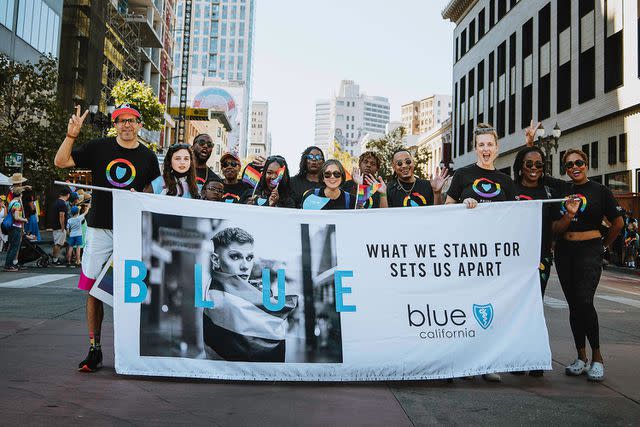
(583, 202)
(483, 186)
(117, 172)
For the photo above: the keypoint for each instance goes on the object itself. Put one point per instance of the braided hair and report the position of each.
(519, 162)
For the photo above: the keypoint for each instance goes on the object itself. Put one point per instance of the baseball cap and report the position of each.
(233, 156)
(74, 210)
(125, 109)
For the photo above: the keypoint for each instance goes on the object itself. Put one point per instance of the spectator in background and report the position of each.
(60, 209)
(631, 244)
(3, 213)
(15, 230)
(31, 228)
(74, 226)
(202, 148)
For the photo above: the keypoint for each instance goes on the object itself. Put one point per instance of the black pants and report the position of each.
(579, 266)
(546, 262)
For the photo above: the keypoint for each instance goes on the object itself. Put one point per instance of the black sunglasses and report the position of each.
(480, 131)
(179, 146)
(231, 163)
(531, 164)
(579, 163)
(336, 174)
(406, 162)
(314, 157)
(205, 143)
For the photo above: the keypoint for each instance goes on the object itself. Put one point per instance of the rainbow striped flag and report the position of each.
(251, 176)
(278, 178)
(365, 191)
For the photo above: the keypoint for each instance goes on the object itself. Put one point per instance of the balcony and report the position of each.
(148, 35)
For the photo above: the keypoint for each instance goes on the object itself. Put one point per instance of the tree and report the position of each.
(141, 95)
(32, 120)
(348, 162)
(422, 157)
(385, 147)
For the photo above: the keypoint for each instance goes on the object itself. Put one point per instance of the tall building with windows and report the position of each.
(419, 117)
(259, 143)
(221, 58)
(30, 29)
(574, 63)
(348, 117)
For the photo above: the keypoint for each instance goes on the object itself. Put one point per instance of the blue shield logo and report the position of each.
(120, 172)
(483, 314)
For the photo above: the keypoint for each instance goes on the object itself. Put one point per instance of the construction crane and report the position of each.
(184, 72)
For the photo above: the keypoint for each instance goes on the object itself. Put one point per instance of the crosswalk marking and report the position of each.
(620, 300)
(554, 302)
(29, 282)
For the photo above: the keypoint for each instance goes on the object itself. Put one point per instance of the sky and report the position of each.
(401, 50)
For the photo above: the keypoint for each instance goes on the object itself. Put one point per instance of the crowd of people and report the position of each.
(572, 234)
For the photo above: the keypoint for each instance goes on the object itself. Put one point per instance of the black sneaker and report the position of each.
(93, 362)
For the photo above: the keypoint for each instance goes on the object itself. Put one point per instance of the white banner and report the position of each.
(381, 294)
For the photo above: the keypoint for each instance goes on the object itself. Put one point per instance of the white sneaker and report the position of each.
(492, 377)
(596, 372)
(578, 367)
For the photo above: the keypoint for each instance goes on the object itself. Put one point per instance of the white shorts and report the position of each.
(96, 253)
(59, 237)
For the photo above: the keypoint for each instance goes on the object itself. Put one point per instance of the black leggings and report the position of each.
(579, 266)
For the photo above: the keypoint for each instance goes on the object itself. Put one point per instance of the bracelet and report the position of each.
(383, 195)
(71, 136)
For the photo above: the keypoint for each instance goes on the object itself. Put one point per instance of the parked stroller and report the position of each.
(30, 252)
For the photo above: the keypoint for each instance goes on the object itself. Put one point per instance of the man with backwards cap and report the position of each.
(122, 163)
(235, 190)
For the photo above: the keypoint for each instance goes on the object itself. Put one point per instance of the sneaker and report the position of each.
(11, 269)
(578, 367)
(93, 362)
(596, 372)
(492, 377)
(58, 263)
(536, 373)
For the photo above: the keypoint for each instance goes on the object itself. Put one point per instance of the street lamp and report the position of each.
(99, 119)
(547, 143)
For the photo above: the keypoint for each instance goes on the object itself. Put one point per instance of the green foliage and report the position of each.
(385, 147)
(348, 162)
(32, 120)
(422, 157)
(142, 96)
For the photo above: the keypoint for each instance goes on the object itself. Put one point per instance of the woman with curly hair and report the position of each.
(308, 176)
(178, 174)
(274, 188)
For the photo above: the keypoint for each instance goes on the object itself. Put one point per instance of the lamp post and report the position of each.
(100, 120)
(547, 143)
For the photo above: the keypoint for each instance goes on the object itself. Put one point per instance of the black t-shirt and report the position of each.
(541, 193)
(596, 202)
(205, 175)
(371, 203)
(262, 199)
(400, 194)
(59, 206)
(319, 201)
(299, 186)
(483, 185)
(113, 166)
(236, 193)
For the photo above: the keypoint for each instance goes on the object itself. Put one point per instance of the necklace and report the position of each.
(407, 192)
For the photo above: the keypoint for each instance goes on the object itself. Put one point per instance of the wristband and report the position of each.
(71, 136)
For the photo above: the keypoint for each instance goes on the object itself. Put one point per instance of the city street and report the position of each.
(42, 337)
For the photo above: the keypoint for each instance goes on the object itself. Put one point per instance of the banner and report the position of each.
(225, 291)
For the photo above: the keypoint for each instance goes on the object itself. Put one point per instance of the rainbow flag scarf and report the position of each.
(278, 178)
(251, 176)
(366, 191)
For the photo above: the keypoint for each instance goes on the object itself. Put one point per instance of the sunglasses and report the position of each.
(578, 163)
(314, 157)
(480, 131)
(214, 189)
(406, 162)
(205, 143)
(336, 174)
(231, 163)
(179, 146)
(531, 164)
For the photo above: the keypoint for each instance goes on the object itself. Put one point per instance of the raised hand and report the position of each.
(75, 122)
(274, 198)
(438, 179)
(356, 175)
(530, 133)
(370, 180)
(259, 161)
(572, 205)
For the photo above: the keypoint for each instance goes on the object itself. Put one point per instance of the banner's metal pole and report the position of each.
(87, 187)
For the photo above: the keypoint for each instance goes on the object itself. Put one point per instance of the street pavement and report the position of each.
(43, 337)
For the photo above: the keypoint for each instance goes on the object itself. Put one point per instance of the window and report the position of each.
(563, 92)
(481, 22)
(205, 30)
(198, 13)
(622, 147)
(470, 109)
(241, 31)
(502, 9)
(492, 13)
(613, 49)
(544, 62)
(472, 33)
(512, 83)
(502, 62)
(612, 151)
(526, 111)
(594, 155)
(587, 53)
(463, 42)
(585, 149)
(38, 24)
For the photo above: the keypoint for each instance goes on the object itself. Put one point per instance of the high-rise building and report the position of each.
(419, 117)
(259, 144)
(554, 61)
(30, 29)
(220, 61)
(348, 117)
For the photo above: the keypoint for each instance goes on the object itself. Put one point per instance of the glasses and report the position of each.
(531, 164)
(127, 122)
(205, 143)
(214, 189)
(578, 163)
(480, 131)
(274, 158)
(231, 163)
(335, 174)
(317, 157)
(406, 162)
(179, 146)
